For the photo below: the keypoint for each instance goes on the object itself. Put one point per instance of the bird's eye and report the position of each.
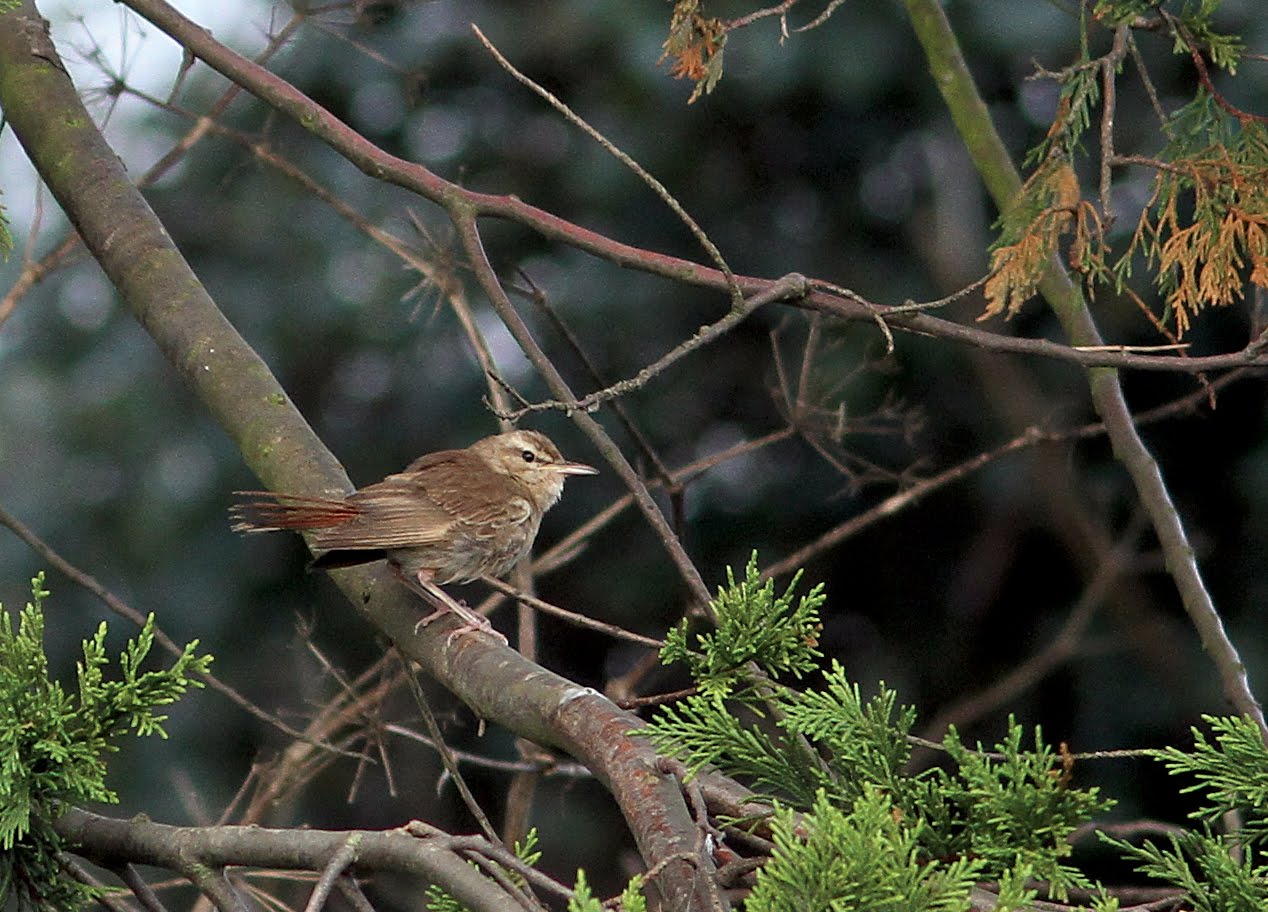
(529, 455)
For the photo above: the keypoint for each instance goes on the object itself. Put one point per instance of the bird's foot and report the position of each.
(472, 622)
(443, 603)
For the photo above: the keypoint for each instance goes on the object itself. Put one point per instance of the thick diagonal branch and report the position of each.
(124, 235)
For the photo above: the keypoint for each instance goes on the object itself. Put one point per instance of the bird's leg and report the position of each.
(444, 603)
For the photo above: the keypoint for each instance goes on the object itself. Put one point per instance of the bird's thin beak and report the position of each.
(574, 468)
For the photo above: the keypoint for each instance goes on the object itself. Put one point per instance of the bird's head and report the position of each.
(533, 460)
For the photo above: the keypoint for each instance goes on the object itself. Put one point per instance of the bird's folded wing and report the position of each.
(387, 515)
(461, 485)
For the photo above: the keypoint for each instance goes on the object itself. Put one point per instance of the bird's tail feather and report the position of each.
(266, 511)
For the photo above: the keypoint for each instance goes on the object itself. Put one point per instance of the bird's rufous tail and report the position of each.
(266, 511)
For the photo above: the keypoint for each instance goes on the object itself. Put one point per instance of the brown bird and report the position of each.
(449, 517)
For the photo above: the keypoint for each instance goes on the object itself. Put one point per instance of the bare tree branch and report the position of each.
(211, 849)
(995, 166)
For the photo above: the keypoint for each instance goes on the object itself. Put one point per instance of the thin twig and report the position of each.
(545, 767)
(110, 900)
(446, 756)
(498, 874)
(475, 847)
(877, 316)
(572, 617)
(789, 287)
(1150, 90)
(640, 440)
(140, 889)
(339, 862)
(299, 762)
(659, 699)
(813, 333)
(1181, 31)
(937, 303)
(511, 862)
(780, 10)
(657, 187)
(454, 293)
(356, 702)
(352, 892)
(822, 17)
(214, 884)
(1173, 346)
(1110, 65)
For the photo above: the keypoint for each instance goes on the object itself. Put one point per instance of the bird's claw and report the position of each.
(471, 623)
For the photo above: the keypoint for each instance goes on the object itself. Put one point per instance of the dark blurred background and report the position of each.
(829, 154)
